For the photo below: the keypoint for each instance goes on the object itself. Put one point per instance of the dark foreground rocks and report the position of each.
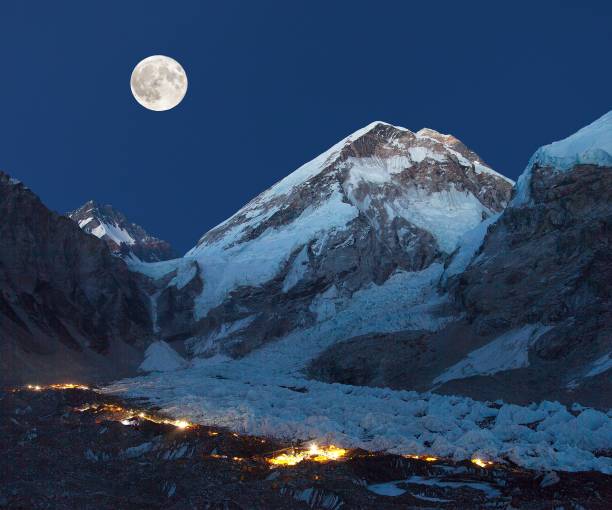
(68, 307)
(65, 449)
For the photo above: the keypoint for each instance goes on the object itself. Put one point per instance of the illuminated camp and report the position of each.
(313, 453)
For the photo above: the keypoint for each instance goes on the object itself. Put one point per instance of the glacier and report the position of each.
(255, 398)
(266, 393)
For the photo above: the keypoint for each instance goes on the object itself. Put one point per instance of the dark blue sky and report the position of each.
(273, 84)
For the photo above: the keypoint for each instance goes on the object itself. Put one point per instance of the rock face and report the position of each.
(123, 237)
(68, 307)
(172, 286)
(383, 200)
(535, 299)
(548, 261)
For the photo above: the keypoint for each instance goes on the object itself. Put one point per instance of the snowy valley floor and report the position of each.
(76, 448)
(264, 394)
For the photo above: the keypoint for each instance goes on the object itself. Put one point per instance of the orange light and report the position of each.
(481, 463)
(314, 453)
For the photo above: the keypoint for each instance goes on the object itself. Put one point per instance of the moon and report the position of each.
(158, 83)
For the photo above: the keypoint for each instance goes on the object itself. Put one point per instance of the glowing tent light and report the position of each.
(481, 463)
(314, 453)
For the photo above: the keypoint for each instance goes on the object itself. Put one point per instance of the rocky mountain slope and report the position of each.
(393, 259)
(548, 262)
(512, 311)
(68, 307)
(535, 297)
(123, 237)
(381, 204)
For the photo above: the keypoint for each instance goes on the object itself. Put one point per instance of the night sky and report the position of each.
(272, 85)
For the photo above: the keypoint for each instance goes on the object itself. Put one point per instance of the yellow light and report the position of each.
(69, 386)
(287, 459)
(481, 463)
(64, 386)
(314, 453)
(427, 458)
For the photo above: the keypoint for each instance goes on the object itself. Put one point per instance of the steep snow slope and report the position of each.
(382, 200)
(591, 145)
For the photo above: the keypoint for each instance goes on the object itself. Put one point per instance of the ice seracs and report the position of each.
(382, 200)
(393, 233)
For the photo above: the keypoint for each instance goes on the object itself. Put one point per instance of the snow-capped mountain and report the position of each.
(123, 237)
(391, 262)
(517, 308)
(382, 203)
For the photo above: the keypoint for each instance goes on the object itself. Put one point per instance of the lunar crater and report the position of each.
(158, 83)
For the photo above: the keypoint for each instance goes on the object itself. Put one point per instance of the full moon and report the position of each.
(158, 83)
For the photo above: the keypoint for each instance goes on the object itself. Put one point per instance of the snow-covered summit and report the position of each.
(380, 200)
(123, 237)
(591, 145)
(434, 145)
(377, 153)
(318, 164)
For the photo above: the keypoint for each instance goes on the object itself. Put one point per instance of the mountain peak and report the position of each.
(7, 179)
(436, 135)
(591, 145)
(123, 237)
(379, 190)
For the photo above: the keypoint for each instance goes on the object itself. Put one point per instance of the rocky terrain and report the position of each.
(123, 237)
(535, 300)
(360, 301)
(77, 448)
(68, 307)
(550, 263)
(381, 201)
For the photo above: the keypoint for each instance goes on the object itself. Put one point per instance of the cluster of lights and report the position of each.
(66, 386)
(482, 463)
(130, 415)
(427, 458)
(295, 456)
(314, 453)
